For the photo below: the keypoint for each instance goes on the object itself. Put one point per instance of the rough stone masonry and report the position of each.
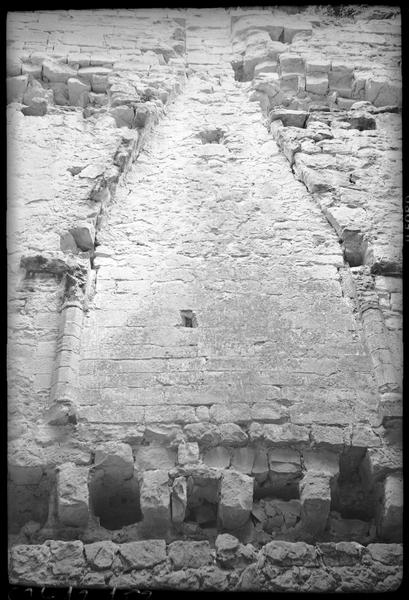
(204, 238)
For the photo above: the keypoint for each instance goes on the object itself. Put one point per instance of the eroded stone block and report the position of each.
(315, 499)
(78, 92)
(67, 558)
(100, 555)
(236, 499)
(188, 453)
(218, 457)
(243, 459)
(16, 87)
(116, 459)
(155, 499)
(185, 554)
(72, 495)
(57, 72)
(142, 555)
(390, 527)
(288, 554)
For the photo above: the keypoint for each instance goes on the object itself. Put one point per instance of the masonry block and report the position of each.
(154, 457)
(67, 559)
(16, 87)
(189, 555)
(78, 92)
(56, 72)
(142, 555)
(236, 499)
(218, 457)
(317, 84)
(389, 518)
(155, 500)
(100, 555)
(116, 459)
(30, 564)
(84, 236)
(315, 496)
(72, 495)
(321, 462)
(288, 554)
(188, 453)
(243, 459)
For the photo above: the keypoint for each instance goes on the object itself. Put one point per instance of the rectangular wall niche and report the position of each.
(28, 503)
(352, 495)
(202, 501)
(115, 501)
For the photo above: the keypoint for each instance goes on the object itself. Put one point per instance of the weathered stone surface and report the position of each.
(78, 92)
(218, 457)
(67, 559)
(289, 118)
(189, 555)
(30, 564)
(188, 453)
(287, 554)
(231, 554)
(154, 457)
(115, 458)
(84, 236)
(100, 555)
(390, 524)
(72, 495)
(155, 499)
(38, 107)
(341, 554)
(388, 554)
(236, 498)
(232, 434)
(57, 72)
(243, 460)
(16, 87)
(315, 499)
(204, 433)
(142, 555)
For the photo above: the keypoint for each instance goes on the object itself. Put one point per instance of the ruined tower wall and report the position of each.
(205, 299)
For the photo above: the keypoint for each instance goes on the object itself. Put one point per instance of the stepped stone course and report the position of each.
(205, 299)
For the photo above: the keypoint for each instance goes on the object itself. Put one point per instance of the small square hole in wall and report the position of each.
(188, 318)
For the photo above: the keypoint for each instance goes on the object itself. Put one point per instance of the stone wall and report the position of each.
(205, 299)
